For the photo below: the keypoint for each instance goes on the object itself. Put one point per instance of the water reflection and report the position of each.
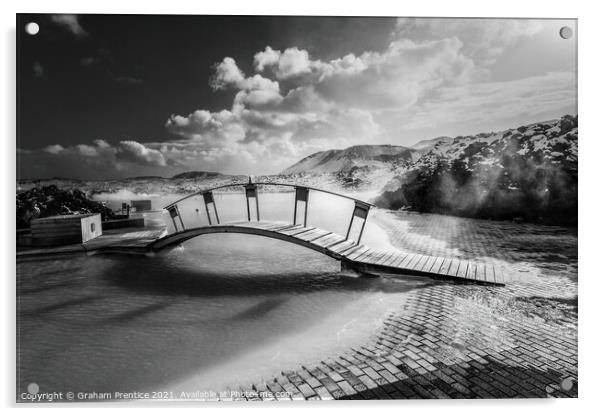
(210, 313)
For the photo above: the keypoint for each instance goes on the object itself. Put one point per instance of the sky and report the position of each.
(115, 96)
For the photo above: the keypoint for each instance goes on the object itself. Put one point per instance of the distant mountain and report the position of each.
(529, 172)
(143, 178)
(371, 156)
(200, 175)
(425, 145)
(53, 179)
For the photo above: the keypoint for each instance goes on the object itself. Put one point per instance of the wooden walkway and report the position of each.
(352, 255)
(126, 240)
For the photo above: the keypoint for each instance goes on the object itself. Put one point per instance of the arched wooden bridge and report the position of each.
(347, 249)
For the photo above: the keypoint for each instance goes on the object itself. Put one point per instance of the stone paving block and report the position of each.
(381, 394)
(306, 390)
(405, 390)
(367, 395)
(323, 393)
(395, 371)
(368, 382)
(448, 341)
(422, 392)
(317, 372)
(388, 376)
(335, 376)
(352, 379)
(332, 387)
(397, 395)
(371, 372)
(346, 387)
(355, 370)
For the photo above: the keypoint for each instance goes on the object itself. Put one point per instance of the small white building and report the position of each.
(65, 229)
(141, 205)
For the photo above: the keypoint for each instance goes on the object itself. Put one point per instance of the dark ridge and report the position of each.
(198, 175)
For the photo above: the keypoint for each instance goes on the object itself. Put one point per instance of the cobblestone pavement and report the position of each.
(458, 341)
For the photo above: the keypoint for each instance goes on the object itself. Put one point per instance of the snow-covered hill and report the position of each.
(554, 140)
(357, 167)
(371, 156)
(528, 172)
(426, 145)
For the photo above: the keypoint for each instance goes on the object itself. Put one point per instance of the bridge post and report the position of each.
(173, 213)
(360, 210)
(251, 192)
(301, 195)
(306, 208)
(180, 217)
(257, 205)
(208, 199)
(215, 210)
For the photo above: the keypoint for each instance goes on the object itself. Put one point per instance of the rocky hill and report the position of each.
(371, 156)
(426, 145)
(356, 166)
(525, 173)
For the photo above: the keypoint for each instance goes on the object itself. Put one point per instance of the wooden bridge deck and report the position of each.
(352, 255)
(356, 256)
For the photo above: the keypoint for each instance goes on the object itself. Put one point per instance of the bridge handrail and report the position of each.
(360, 209)
(265, 183)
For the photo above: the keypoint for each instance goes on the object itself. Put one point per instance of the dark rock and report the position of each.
(567, 123)
(50, 200)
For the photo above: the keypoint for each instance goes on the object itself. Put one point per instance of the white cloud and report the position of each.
(218, 128)
(138, 153)
(528, 98)
(87, 150)
(324, 104)
(484, 40)
(69, 22)
(102, 143)
(290, 63)
(227, 73)
(268, 57)
(54, 149)
(293, 62)
(101, 153)
(298, 105)
(433, 72)
(394, 78)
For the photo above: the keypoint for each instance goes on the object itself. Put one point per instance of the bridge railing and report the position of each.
(257, 201)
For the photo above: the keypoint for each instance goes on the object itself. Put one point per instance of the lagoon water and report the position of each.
(211, 313)
(217, 311)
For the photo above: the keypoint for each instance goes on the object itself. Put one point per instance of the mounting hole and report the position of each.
(566, 32)
(33, 388)
(566, 384)
(32, 28)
